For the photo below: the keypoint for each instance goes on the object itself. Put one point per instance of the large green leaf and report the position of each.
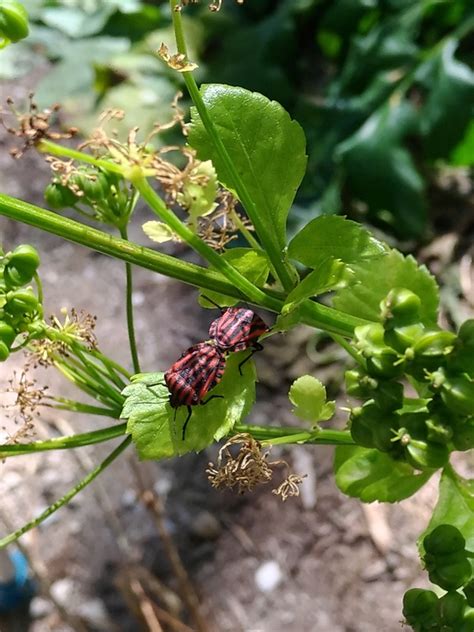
(332, 237)
(449, 107)
(156, 432)
(455, 506)
(266, 146)
(252, 264)
(381, 172)
(371, 475)
(374, 280)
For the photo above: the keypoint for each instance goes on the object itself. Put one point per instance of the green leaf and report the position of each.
(455, 506)
(266, 146)
(463, 153)
(151, 420)
(373, 281)
(308, 396)
(448, 110)
(381, 172)
(76, 22)
(332, 237)
(371, 475)
(159, 232)
(331, 274)
(252, 264)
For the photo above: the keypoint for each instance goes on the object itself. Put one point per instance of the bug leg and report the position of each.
(212, 302)
(256, 347)
(190, 410)
(203, 403)
(150, 386)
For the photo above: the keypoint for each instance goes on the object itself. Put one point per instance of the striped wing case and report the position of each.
(237, 329)
(196, 372)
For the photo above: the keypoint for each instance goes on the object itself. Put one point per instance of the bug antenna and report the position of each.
(211, 301)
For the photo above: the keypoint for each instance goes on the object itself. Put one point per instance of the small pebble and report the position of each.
(206, 526)
(268, 576)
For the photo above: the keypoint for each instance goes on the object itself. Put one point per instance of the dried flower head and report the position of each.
(223, 225)
(33, 126)
(248, 468)
(215, 5)
(28, 397)
(178, 61)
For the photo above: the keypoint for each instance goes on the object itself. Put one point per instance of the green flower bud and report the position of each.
(401, 307)
(444, 539)
(358, 384)
(21, 266)
(420, 607)
(13, 22)
(451, 609)
(435, 343)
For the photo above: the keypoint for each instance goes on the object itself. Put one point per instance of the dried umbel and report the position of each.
(215, 5)
(248, 468)
(33, 126)
(28, 396)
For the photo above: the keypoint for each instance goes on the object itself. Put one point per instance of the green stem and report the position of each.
(277, 434)
(313, 314)
(119, 248)
(48, 147)
(270, 245)
(129, 304)
(39, 287)
(349, 349)
(252, 292)
(95, 372)
(67, 497)
(78, 407)
(64, 443)
(245, 231)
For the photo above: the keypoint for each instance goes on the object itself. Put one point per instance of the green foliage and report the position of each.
(372, 475)
(151, 423)
(372, 282)
(308, 396)
(253, 128)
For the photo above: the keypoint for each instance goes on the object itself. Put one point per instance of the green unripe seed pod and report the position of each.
(468, 621)
(468, 590)
(438, 432)
(401, 307)
(21, 266)
(93, 184)
(359, 384)
(58, 196)
(457, 392)
(401, 338)
(448, 571)
(444, 539)
(451, 608)
(371, 427)
(4, 351)
(426, 455)
(463, 435)
(420, 606)
(7, 334)
(20, 302)
(13, 22)
(434, 343)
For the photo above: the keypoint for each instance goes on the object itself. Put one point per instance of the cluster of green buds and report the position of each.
(13, 22)
(438, 363)
(448, 564)
(20, 306)
(101, 195)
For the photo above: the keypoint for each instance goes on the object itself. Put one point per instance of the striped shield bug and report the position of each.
(237, 329)
(190, 378)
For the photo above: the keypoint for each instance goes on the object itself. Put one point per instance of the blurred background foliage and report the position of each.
(383, 88)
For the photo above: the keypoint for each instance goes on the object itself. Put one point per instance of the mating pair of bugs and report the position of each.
(201, 367)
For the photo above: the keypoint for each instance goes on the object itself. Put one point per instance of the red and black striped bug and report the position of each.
(237, 329)
(199, 369)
